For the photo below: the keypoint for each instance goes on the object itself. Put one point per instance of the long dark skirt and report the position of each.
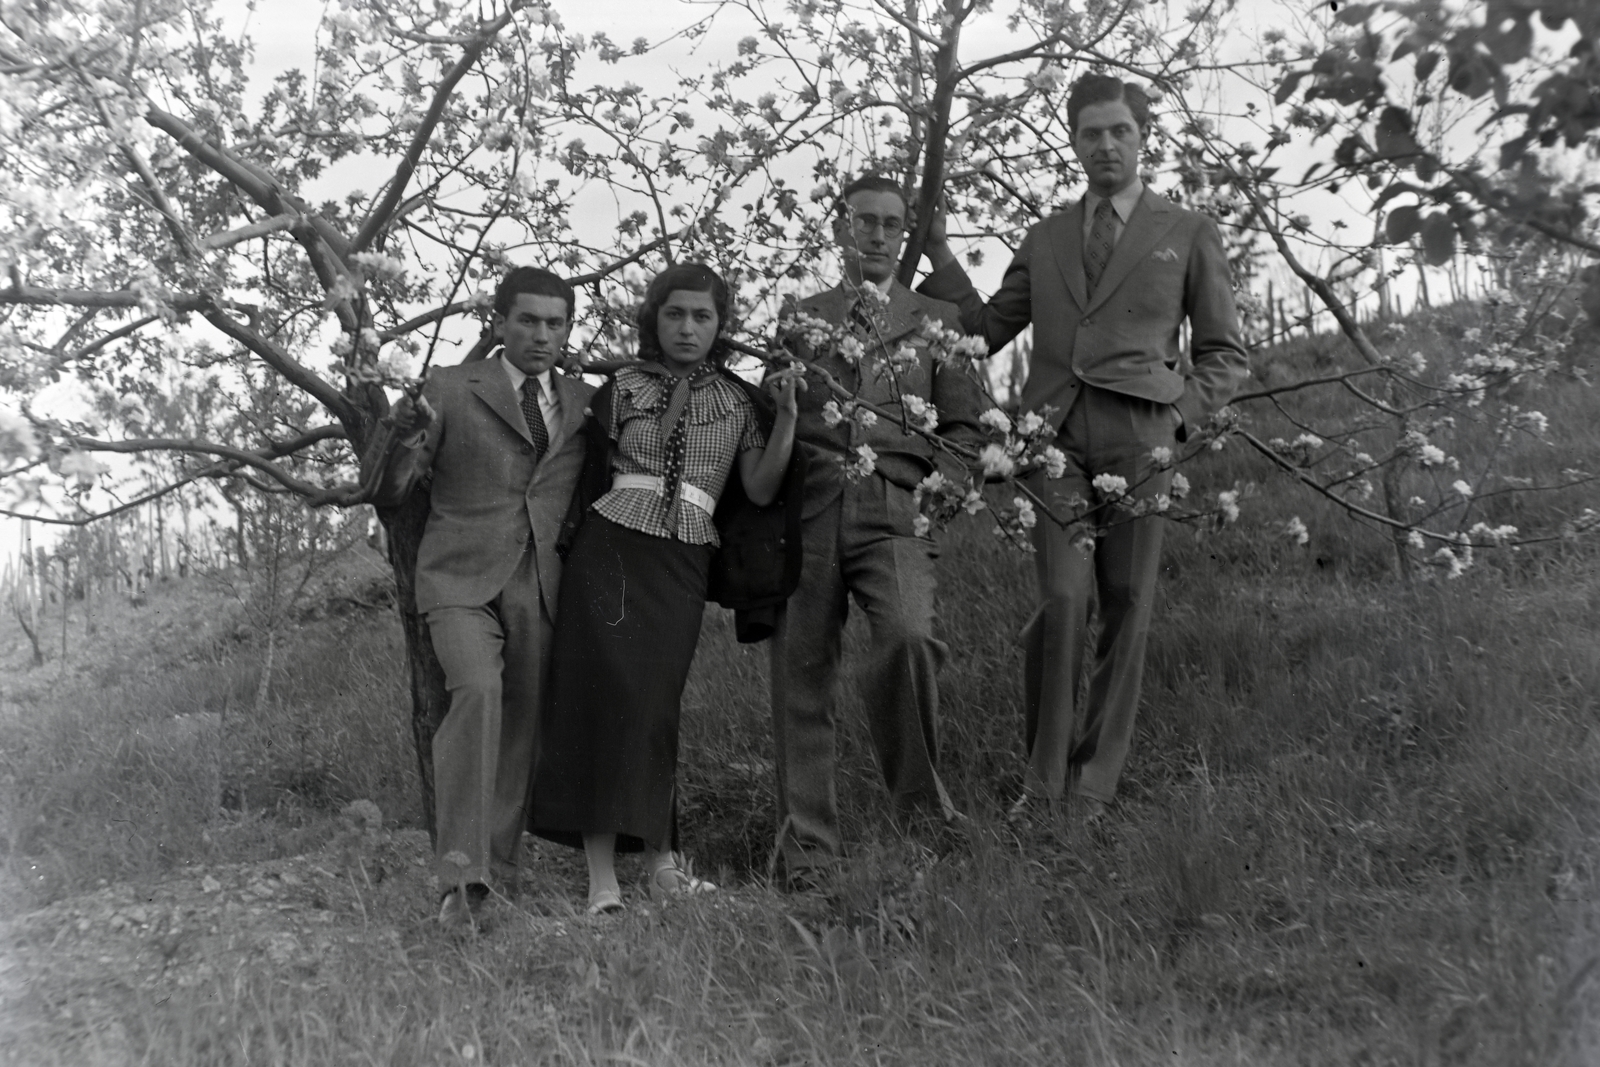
(626, 630)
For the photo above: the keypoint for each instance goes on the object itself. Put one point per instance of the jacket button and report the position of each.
(527, 450)
(1088, 322)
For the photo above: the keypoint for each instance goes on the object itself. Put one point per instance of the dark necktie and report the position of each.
(860, 320)
(1097, 253)
(530, 411)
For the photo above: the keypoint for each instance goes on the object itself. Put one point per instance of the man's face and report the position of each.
(870, 234)
(1107, 143)
(535, 333)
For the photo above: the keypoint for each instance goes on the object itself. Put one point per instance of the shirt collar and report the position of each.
(1122, 203)
(546, 386)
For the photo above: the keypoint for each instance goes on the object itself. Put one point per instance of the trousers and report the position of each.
(859, 546)
(496, 666)
(1084, 743)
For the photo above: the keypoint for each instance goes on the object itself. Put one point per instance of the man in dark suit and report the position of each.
(497, 441)
(858, 541)
(1107, 284)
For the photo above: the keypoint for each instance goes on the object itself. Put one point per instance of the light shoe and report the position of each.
(606, 902)
(671, 879)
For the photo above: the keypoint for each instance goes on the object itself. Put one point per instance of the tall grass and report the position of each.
(1357, 827)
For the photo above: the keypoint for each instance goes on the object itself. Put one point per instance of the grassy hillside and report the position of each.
(1358, 827)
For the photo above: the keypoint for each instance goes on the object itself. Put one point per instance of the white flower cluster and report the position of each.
(1110, 486)
(1427, 453)
(833, 413)
(938, 499)
(17, 439)
(1494, 535)
(82, 466)
(864, 464)
(1295, 530)
(921, 414)
(1228, 504)
(380, 266)
(947, 344)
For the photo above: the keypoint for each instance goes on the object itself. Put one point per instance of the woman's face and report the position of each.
(687, 326)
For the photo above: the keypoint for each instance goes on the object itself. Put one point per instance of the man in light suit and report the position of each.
(858, 541)
(497, 441)
(1107, 284)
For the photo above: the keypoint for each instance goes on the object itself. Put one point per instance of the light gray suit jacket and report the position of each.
(489, 497)
(1168, 266)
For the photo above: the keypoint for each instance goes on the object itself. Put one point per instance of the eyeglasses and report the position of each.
(865, 224)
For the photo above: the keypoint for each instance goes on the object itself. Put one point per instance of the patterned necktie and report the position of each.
(860, 320)
(674, 435)
(530, 411)
(1097, 253)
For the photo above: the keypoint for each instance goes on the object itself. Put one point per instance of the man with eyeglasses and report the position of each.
(859, 542)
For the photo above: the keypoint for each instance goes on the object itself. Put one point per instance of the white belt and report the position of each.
(693, 494)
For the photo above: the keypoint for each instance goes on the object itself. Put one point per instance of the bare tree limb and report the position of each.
(379, 216)
(245, 233)
(297, 373)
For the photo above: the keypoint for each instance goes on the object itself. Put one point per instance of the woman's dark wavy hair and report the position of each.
(688, 277)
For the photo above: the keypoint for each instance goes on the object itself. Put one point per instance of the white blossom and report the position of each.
(17, 439)
(1162, 455)
(1533, 421)
(1431, 456)
(831, 415)
(921, 525)
(863, 465)
(1110, 485)
(973, 502)
(1414, 539)
(1180, 487)
(1295, 530)
(1025, 516)
(996, 464)
(996, 420)
(1228, 503)
(1460, 486)
(83, 466)
(1030, 424)
(1054, 460)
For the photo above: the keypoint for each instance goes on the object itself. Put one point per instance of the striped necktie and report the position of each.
(1097, 253)
(530, 411)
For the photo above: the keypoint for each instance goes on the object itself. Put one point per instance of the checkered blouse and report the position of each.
(719, 422)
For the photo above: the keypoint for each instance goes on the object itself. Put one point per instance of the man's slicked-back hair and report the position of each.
(1104, 89)
(690, 278)
(875, 183)
(534, 280)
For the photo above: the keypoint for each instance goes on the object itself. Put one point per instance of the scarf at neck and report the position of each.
(674, 434)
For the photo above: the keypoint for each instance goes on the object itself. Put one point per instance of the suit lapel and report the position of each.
(571, 399)
(493, 387)
(1152, 218)
(1068, 248)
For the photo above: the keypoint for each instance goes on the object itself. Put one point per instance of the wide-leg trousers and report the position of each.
(1082, 745)
(860, 546)
(496, 664)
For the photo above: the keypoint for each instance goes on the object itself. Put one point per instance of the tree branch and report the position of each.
(286, 365)
(378, 218)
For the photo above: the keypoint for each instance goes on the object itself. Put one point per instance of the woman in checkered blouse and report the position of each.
(634, 587)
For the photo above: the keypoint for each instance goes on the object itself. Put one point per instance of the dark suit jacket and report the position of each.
(489, 497)
(903, 459)
(1168, 266)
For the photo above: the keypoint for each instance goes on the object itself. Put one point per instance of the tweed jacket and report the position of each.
(489, 498)
(1168, 266)
(903, 459)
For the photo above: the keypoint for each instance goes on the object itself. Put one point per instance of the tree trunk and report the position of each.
(429, 698)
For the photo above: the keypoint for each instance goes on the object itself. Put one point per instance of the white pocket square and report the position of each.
(1165, 255)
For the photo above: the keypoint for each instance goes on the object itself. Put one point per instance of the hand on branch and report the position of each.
(785, 384)
(937, 248)
(410, 417)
